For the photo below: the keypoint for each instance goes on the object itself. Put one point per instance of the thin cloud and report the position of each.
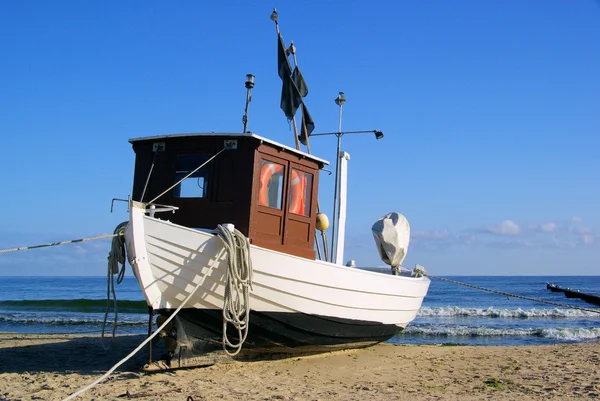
(549, 227)
(467, 239)
(507, 227)
(583, 230)
(511, 244)
(556, 234)
(430, 234)
(563, 244)
(79, 250)
(587, 239)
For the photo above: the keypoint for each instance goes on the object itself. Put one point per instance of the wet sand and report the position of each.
(51, 367)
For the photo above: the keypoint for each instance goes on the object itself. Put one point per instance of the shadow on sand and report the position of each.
(73, 354)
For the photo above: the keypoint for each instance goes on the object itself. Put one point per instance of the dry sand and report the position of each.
(51, 367)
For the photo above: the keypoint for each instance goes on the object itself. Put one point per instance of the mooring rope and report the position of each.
(117, 256)
(146, 341)
(420, 271)
(236, 302)
(74, 241)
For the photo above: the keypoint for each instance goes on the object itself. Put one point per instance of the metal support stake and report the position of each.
(150, 316)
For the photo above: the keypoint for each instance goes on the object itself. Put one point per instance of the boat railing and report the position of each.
(152, 209)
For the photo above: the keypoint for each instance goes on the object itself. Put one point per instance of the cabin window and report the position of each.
(196, 185)
(300, 192)
(271, 184)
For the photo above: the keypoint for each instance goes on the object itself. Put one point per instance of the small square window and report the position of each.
(300, 192)
(271, 184)
(196, 185)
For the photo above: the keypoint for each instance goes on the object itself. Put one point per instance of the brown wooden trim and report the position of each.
(290, 250)
(265, 149)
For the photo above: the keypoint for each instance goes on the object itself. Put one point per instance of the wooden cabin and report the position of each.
(267, 190)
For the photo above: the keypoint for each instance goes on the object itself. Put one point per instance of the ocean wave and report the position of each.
(73, 305)
(70, 320)
(572, 334)
(455, 311)
(561, 334)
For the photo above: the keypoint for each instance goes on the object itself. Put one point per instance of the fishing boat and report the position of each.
(223, 238)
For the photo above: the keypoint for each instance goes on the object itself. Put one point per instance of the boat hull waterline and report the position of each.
(297, 305)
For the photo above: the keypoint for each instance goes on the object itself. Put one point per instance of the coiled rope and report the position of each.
(117, 256)
(74, 241)
(420, 271)
(236, 303)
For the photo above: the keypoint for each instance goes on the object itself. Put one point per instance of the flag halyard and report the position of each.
(290, 95)
(293, 89)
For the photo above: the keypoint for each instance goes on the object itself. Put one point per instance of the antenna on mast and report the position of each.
(274, 16)
(249, 86)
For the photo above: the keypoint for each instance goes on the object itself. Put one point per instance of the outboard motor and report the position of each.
(392, 234)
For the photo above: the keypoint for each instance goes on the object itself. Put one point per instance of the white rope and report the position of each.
(236, 303)
(73, 241)
(132, 353)
(116, 257)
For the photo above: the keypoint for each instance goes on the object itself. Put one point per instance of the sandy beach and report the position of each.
(51, 367)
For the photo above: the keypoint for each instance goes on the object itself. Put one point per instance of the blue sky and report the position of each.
(490, 109)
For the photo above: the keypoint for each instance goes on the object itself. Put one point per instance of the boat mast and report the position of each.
(249, 86)
(305, 116)
(275, 18)
(342, 159)
(340, 100)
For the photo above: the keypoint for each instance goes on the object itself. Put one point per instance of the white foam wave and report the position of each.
(67, 321)
(572, 334)
(451, 311)
(561, 334)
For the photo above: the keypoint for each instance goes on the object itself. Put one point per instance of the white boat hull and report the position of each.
(294, 302)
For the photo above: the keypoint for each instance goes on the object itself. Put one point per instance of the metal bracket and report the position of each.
(230, 143)
(158, 147)
(112, 203)
(163, 208)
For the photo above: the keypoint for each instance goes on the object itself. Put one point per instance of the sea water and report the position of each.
(450, 314)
